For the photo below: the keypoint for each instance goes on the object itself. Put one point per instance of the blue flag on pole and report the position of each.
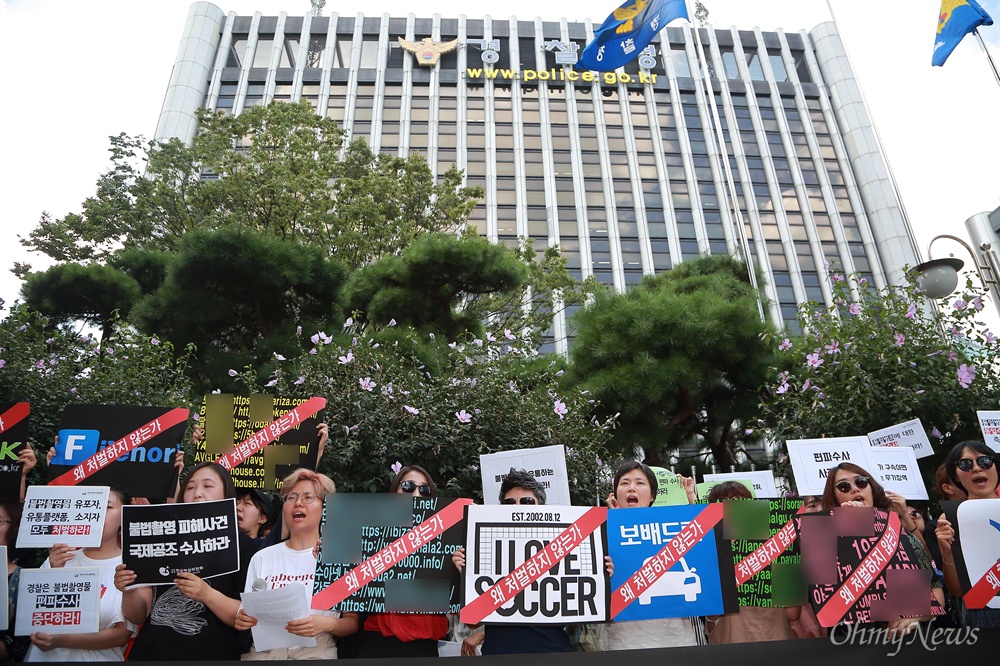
(627, 31)
(957, 19)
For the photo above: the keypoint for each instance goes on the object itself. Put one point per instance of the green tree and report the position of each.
(237, 295)
(51, 367)
(880, 359)
(426, 284)
(680, 356)
(286, 176)
(395, 394)
(92, 293)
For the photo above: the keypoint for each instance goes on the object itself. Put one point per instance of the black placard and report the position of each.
(13, 440)
(229, 419)
(159, 541)
(424, 582)
(146, 471)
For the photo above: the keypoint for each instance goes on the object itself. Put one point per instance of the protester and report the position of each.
(635, 486)
(405, 634)
(971, 467)
(255, 514)
(293, 562)
(108, 644)
(751, 624)
(848, 485)
(12, 648)
(194, 617)
(518, 487)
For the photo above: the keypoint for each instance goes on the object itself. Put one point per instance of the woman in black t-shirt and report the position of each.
(192, 618)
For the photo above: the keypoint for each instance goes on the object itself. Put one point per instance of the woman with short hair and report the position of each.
(293, 562)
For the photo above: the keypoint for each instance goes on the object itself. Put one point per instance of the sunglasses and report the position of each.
(409, 486)
(984, 462)
(915, 514)
(860, 482)
(523, 500)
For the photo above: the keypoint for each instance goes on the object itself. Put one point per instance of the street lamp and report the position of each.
(940, 276)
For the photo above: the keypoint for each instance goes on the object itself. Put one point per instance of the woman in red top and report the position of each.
(405, 634)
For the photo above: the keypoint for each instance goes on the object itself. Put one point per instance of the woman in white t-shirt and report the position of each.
(108, 644)
(293, 562)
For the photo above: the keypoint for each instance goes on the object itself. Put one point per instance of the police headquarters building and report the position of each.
(621, 169)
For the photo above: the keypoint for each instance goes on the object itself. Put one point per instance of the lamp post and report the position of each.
(940, 276)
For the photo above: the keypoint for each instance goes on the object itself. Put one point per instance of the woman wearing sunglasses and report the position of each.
(405, 634)
(849, 485)
(293, 562)
(971, 466)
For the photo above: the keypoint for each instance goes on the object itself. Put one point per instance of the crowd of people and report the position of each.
(278, 547)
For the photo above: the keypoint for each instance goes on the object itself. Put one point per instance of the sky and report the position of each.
(74, 72)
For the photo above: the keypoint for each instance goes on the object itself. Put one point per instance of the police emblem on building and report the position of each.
(428, 51)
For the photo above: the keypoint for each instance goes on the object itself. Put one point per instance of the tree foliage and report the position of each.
(91, 293)
(237, 295)
(51, 367)
(680, 356)
(424, 286)
(883, 358)
(397, 394)
(277, 169)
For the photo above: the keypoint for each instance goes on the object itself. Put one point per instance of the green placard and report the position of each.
(669, 491)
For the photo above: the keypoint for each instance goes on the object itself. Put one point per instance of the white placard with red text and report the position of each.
(911, 434)
(59, 601)
(989, 423)
(73, 515)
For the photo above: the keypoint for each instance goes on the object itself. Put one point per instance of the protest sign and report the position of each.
(546, 463)
(59, 601)
(911, 434)
(231, 421)
(669, 491)
(812, 459)
(102, 435)
(989, 423)
(979, 523)
(70, 515)
(702, 489)
(896, 469)
(858, 588)
(765, 569)
(13, 439)
(161, 540)
(761, 481)
(403, 577)
(691, 585)
(534, 564)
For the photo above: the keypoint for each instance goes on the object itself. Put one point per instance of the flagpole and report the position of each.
(993, 65)
(741, 230)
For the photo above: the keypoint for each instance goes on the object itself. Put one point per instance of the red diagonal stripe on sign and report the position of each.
(534, 568)
(271, 432)
(14, 415)
(653, 570)
(983, 591)
(106, 456)
(409, 543)
(768, 552)
(870, 568)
